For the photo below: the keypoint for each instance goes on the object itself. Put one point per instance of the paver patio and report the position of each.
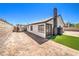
(19, 43)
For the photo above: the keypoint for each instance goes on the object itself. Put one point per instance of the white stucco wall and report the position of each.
(50, 22)
(35, 30)
(59, 22)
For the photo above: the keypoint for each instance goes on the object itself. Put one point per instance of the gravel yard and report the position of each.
(21, 44)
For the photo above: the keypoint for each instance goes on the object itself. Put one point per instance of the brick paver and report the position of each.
(24, 45)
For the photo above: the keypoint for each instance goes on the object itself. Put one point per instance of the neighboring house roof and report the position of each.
(46, 20)
(5, 21)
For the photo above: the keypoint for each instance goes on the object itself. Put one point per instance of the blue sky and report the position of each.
(25, 13)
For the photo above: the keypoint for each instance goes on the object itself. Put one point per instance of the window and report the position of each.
(31, 28)
(41, 28)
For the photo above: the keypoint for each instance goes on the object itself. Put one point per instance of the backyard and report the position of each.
(28, 44)
(70, 41)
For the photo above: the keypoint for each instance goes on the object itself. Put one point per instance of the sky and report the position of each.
(26, 13)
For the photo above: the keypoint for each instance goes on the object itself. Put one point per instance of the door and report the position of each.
(49, 29)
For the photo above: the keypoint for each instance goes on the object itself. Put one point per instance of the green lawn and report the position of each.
(70, 41)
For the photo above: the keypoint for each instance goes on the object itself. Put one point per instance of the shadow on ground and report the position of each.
(37, 38)
(51, 37)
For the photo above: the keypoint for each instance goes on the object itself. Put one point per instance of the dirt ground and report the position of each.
(20, 44)
(72, 33)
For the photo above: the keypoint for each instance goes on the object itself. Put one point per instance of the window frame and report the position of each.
(31, 28)
(41, 28)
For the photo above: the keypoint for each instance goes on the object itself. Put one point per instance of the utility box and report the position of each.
(60, 30)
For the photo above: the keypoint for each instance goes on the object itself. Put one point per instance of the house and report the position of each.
(48, 27)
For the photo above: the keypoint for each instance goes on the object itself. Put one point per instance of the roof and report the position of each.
(46, 20)
(5, 21)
